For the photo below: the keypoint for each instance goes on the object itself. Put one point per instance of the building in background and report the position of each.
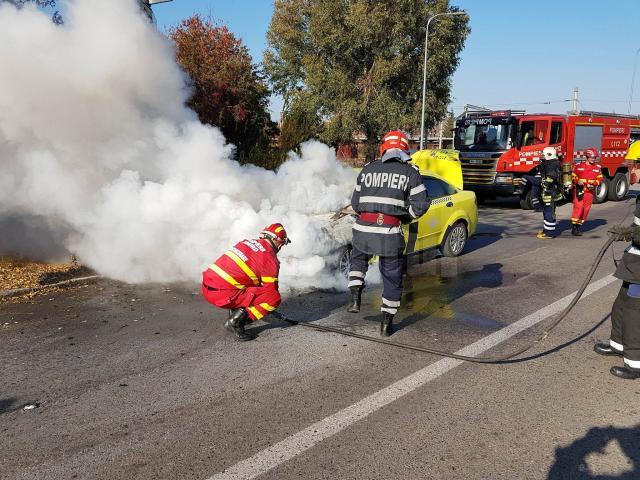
(440, 136)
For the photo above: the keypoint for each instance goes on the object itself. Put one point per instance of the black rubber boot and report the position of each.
(625, 372)
(356, 297)
(236, 323)
(574, 230)
(606, 349)
(579, 229)
(386, 325)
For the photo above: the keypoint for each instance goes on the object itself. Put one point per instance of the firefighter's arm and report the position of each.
(598, 180)
(624, 233)
(355, 197)
(418, 201)
(575, 179)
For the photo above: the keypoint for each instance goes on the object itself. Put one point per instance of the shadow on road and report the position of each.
(565, 225)
(504, 203)
(6, 405)
(483, 239)
(314, 305)
(594, 452)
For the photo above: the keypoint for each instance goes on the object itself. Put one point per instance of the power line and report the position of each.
(546, 102)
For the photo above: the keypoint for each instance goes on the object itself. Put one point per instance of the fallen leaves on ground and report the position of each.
(17, 273)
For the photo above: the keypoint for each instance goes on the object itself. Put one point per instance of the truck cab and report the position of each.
(482, 137)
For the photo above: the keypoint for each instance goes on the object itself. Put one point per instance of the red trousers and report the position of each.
(581, 207)
(258, 301)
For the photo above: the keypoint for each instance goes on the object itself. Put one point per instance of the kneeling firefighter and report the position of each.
(245, 279)
(551, 191)
(388, 193)
(625, 314)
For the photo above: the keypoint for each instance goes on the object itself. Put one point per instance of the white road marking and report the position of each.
(298, 443)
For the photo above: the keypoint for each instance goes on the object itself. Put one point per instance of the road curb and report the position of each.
(22, 291)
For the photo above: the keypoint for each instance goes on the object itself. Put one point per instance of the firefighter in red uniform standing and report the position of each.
(586, 178)
(245, 279)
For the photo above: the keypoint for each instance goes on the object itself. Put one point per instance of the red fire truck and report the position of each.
(498, 147)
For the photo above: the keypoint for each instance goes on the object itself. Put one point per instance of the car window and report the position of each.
(436, 187)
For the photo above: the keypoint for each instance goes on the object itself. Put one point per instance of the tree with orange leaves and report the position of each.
(228, 89)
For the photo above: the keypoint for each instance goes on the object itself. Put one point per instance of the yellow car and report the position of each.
(450, 221)
(453, 215)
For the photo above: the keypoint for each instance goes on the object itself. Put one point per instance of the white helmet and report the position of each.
(549, 153)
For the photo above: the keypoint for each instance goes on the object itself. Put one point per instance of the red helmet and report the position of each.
(591, 153)
(394, 139)
(276, 230)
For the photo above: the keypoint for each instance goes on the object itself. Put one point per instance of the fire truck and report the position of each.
(498, 147)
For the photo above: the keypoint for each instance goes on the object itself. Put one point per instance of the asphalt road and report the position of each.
(143, 382)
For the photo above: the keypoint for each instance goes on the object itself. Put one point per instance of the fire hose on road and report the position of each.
(441, 353)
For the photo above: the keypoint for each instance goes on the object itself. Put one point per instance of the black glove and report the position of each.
(624, 233)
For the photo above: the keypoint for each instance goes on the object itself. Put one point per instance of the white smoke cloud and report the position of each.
(96, 141)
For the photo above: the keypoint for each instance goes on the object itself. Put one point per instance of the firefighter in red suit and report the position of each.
(245, 279)
(586, 178)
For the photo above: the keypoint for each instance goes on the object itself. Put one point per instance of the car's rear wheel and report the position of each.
(344, 261)
(455, 240)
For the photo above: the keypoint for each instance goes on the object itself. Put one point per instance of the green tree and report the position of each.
(228, 90)
(356, 65)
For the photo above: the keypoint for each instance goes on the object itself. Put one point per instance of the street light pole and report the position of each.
(424, 76)
(633, 78)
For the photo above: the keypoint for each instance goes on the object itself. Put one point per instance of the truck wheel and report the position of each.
(344, 261)
(602, 191)
(618, 187)
(526, 202)
(455, 240)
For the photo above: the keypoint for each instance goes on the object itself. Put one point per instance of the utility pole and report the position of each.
(633, 79)
(424, 68)
(575, 100)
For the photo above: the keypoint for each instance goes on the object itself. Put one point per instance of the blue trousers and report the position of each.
(391, 269)
(549, 218)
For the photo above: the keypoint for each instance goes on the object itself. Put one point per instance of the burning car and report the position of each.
(450, 221)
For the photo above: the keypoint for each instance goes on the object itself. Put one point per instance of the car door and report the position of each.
(431, 224)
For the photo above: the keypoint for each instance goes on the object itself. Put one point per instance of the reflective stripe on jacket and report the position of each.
(587, 173)
(249, 263)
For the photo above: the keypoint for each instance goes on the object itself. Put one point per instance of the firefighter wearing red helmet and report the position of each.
(245, 279)
(388, 193)
(586, 177)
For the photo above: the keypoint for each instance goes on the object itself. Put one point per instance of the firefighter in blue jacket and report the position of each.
(388, 193)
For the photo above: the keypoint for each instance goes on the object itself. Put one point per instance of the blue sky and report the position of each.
(519, 54)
